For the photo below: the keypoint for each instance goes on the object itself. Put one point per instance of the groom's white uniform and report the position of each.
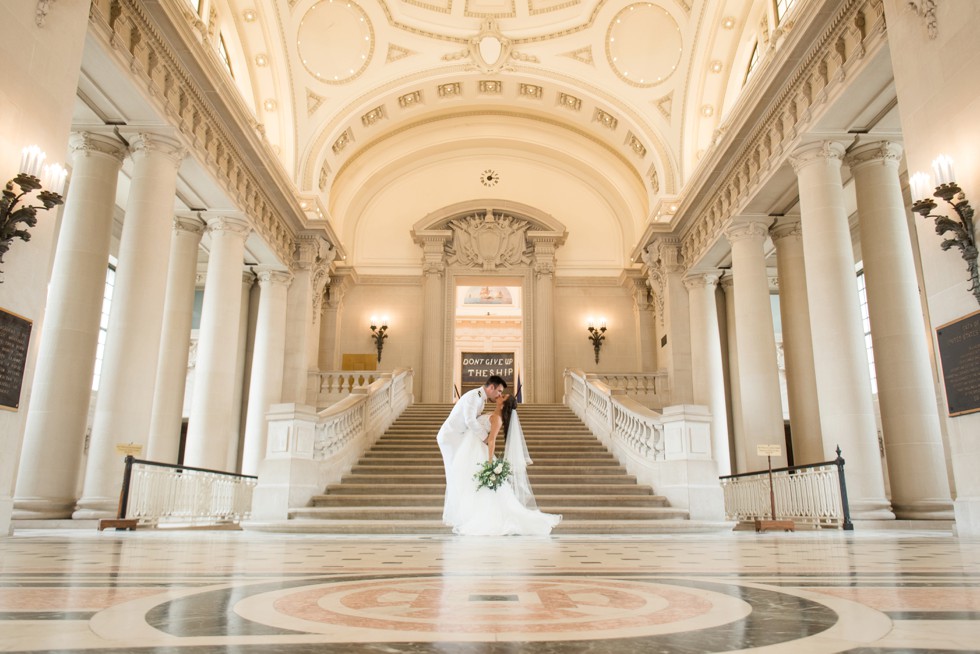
(463, 416)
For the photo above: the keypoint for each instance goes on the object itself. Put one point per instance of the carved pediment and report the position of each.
(489, 241)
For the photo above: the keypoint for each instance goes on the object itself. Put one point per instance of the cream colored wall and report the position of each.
(938, 85)
(402, 303)
(575, 301)
(40, 75)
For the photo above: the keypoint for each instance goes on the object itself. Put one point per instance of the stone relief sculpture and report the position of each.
(489, 242)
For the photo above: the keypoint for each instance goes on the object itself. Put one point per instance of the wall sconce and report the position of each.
(27, 180)
(597, 335)
(378, 334)
(948, 190)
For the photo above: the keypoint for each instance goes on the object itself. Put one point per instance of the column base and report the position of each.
(967, 510)
(924, 510)
(43, 508)
(95, 509)
(871, 510)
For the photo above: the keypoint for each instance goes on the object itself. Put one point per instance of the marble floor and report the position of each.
(223, 591)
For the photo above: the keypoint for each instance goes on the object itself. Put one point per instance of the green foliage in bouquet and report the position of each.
(492, 474)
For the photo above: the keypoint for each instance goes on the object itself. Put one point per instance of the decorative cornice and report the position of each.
(879, 152)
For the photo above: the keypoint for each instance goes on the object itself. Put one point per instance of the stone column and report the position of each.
(129, 364)
(735, 439)
(646, 325)
(906, 394)
(175, 342)
(265, 387)
(310, 267)
(213, 410)
(706, 365)
(333, 305)
(801, 382)
(666, 274)
(241, 396)
(840, 360)
(54, 433)
(544, 382)
(758, 371)
(433, 317)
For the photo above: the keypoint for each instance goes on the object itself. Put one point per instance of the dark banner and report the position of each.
(15, 336)
(477, 366)
(959, 352)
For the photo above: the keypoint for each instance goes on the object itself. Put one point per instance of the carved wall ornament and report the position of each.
(396, 52)
(819, 152)
(531, 91)
(605, 119)
(489, 241)
(634, 144)
(570, 101)
(451, 90)
(373, 116)
(491, 87)
(41, 11)
(324, 176)
(410, 99)
(583, 55)
(489, 49)
(346, 137)
(926, 10)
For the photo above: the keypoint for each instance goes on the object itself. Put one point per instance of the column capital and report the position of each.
(702, 279)
(190, 224)
(805, 155)
(665, 253)
(146, 143)
(231, 224)
(269, 276)
(747, 227)
(786, 227)
(85, 144)
(887, 153)
(248, 278)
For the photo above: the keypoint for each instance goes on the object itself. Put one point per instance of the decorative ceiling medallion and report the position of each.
(635, 145)
(489, 177)
(396, 52)
(605, 119)
(374, 116)
(531, 91)
(583, 55)
(665, 104)
(335, 41)
(491, 87)
(643, 45)
(489, 49)
(346, 138)
(410, 99)
(451, 90)
(569, 101)
(313, 102)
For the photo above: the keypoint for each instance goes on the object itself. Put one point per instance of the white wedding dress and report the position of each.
(509, 510)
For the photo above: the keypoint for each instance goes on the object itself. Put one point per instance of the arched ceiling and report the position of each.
(623, 92)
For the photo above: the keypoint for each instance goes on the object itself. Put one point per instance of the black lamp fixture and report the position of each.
(962, 229)
(597, 335)
(48, 181)
(379, 334)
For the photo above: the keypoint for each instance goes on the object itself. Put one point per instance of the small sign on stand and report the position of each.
(770, 451)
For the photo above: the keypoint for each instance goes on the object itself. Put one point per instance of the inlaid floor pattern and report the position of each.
(399, 484)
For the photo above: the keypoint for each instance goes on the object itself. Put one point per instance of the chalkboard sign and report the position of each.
(959, 352)
(15, 335)
(477, 366)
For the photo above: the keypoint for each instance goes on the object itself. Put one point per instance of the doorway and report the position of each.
(487, 332)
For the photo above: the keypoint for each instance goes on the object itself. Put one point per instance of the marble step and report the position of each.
(537, 470)
(566, 527)
(435, 513)
(535, 478)
(584, 456)
(436, 500)
(438, 488)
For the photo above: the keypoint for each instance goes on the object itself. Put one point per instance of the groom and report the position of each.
(464, 415)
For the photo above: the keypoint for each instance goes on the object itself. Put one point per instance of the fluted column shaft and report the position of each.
(736, 438)
(906, 394)
(544, 382)
(268, 355)
(839, 356)
(212, 418)
(433, 319)
(801, 381)
(706, 364)
(55, 427)
(129, 364)
(762, 415)
(175, 341)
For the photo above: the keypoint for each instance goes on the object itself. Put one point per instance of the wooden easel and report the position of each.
(762, 524)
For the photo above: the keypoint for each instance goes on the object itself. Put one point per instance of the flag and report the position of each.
(518, 394)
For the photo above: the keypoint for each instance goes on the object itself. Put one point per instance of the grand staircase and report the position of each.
(397, 486)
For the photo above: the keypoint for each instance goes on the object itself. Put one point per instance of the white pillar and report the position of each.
(736, 438)
(840, 360)
(666, 273)
(241, 397)
(129, 364)
(762, 414)
(906, 394)
(544, 382)
(265, 387)
(646, 327)
(212, 418)
(706, 365)
(801, 381)
(54, 435)
(433, 318)
(175, 342)
(310, 271)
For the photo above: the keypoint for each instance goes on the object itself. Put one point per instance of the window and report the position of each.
(223, 52)
(782, 8)
(866, 321)
(753, 60)
(110, 284)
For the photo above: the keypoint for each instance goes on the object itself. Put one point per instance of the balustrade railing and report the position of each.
(814, 494)
(156, 494)
(331, 386)
(651, 389)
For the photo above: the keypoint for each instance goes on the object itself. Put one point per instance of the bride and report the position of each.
(510, 509)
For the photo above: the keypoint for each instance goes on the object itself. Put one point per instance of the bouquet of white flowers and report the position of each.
(492, 474)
